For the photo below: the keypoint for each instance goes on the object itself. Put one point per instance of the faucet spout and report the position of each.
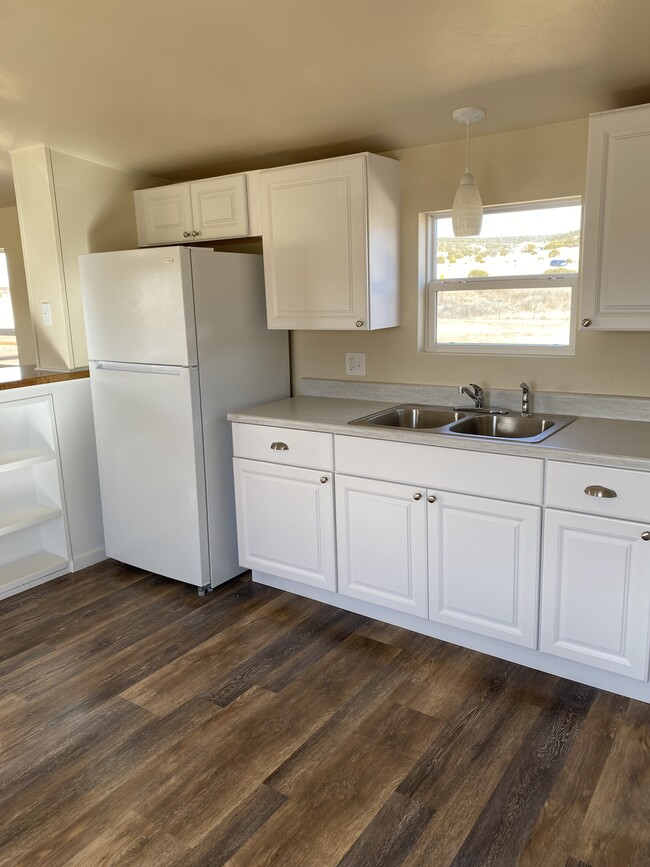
(474, 392)
(525, 399)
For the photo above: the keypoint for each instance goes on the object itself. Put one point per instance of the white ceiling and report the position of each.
(206, 86)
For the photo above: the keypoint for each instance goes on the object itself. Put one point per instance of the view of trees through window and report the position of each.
(8, 350)
(505, 286)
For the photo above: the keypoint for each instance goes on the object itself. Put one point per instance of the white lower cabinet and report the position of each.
(484, 566)
(596, 592)
(285, 521)
(382, 552)
(459, 558)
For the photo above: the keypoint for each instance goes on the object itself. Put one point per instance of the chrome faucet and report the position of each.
(476, 395)
(475, 392)
(525, 399)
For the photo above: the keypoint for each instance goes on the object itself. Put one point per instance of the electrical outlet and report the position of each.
(355, 363)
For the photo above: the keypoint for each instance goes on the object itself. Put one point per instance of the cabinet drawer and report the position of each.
(504, 477)
(304, 448)
(566, 484)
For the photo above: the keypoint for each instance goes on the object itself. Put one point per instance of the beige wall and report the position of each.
(539, 163)
(68, 206)
(10, 243)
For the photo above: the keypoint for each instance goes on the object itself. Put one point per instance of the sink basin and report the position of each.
(412, 416)
(511, 427)
(443, 420)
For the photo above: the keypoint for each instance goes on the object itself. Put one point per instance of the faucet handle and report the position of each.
(524, 385)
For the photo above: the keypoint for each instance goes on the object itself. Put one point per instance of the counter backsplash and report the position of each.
(590, 405)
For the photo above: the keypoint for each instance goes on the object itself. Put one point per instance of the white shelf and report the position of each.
(27, 517)
(29, 570)
(24, 458)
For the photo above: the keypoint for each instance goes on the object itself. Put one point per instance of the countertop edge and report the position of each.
(580, 451)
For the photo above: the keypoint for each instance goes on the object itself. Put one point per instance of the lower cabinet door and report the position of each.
(484, 566)
(596, 592)
(381, 534)
(285, 521)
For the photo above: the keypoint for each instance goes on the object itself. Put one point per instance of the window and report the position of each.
(512, 290)
(8, 349)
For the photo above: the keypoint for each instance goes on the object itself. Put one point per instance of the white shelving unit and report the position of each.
(34, 544)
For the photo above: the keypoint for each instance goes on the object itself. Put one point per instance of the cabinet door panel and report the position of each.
(220, 207)
(381, 531)
(285, 522)
(596, 592)
(484, 565)
(615, 293)
(164, 214)
(314, 226)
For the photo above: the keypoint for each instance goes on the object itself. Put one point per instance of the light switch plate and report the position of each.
(46, 312)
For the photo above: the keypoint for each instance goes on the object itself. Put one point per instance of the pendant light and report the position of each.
(467, 211)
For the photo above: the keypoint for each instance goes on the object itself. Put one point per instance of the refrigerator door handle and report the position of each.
(133, 367)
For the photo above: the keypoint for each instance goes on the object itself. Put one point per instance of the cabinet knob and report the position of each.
(195, 233)
(431, 499)
(279, 447)
(417, 496)
(646, 535)
(359, 323)
(586, 323)
(323, 479)
(599, 491)
(186, 234)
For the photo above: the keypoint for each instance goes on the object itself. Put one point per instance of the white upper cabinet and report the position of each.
(615, 276)
(330, 231)
(197, 211)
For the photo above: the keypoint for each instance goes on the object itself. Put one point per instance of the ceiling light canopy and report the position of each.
(467, 210)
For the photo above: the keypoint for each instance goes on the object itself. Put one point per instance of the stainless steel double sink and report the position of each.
(466, 423)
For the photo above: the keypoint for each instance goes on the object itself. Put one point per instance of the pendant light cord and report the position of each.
(467, 149)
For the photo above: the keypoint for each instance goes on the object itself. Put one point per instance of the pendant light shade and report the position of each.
(467, 211)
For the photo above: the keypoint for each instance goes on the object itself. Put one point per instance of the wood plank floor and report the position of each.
(141, 724)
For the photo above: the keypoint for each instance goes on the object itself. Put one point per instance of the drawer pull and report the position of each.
(283, 447)
(323, 480)
(600, 491)
(646, 535)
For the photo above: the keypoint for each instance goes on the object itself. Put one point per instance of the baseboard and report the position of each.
(88, 559)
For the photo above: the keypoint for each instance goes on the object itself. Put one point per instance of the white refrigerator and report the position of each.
(177, 338)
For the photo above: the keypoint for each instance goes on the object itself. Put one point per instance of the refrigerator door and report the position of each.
(151, 472)
(139, 307)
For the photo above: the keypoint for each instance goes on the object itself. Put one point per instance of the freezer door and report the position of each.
(150, 452)
(138, 306)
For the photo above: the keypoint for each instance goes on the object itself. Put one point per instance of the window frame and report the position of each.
(430, 287)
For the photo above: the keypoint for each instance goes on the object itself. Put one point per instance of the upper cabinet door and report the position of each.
(331, 231)
(198, 211)
(164, 214)
(615, 277)
(219, 208)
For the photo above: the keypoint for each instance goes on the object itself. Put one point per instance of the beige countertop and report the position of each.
(22, 377)
(587, 440)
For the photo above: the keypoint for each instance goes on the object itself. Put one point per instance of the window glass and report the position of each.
(514, 242)
(8, 349)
